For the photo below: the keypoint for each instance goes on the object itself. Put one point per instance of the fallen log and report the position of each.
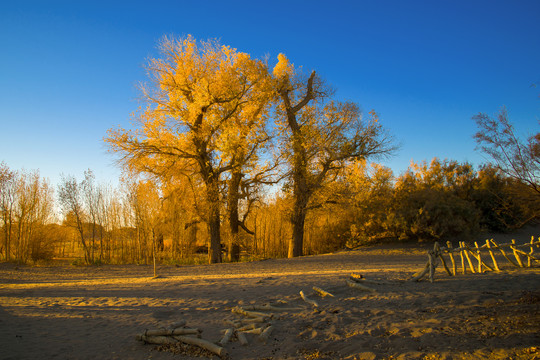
(357, 276)
(256, 331)
(205, 344)
(252, 314)
(242, 338)
(322, 292)
(308, 300)
(266, 334)
(227, 336)
(356, 285)
(247, 327)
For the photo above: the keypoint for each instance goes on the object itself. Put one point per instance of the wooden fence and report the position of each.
(469, 255)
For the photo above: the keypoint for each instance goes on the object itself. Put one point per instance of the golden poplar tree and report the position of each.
(200, 91)
(320, 135)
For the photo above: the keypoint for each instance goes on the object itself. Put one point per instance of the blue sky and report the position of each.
(69, 69)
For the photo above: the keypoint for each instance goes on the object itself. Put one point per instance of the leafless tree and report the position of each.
(71, 201)
(7, 203)
(515, 157)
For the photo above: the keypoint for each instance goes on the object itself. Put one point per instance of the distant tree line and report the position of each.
(27, 214)
(140, 220)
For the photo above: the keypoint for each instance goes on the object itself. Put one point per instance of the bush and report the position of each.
(42, 245)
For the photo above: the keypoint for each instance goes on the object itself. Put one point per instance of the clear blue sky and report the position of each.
(69, 69)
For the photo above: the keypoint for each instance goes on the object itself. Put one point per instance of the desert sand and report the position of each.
(96, 312)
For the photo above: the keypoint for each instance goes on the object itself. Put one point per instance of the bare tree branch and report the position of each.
(515, 158)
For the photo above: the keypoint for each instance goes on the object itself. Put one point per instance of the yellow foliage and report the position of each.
(210, 105)
(283, 68)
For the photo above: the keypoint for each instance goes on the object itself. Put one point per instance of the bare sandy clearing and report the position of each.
(89, 313)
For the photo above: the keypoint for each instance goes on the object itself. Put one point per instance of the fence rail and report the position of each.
(469, 254)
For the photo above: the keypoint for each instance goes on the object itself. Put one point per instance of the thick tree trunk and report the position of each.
(232, 204)
(296, 243)
(301, 198)
(214, 222)
(234, 248)
(301, 191)
(214, 251)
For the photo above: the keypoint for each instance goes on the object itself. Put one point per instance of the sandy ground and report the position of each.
(95, 312)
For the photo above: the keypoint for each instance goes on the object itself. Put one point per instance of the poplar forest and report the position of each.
(231, 159)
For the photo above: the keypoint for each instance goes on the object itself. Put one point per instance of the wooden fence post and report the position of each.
(492, 256)
(444, 263)
(466, 250)
(529, 258)
(518, 258)
(450, 252)
(479, 257)
(480, 262)
(463, 268)
(504, 253)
